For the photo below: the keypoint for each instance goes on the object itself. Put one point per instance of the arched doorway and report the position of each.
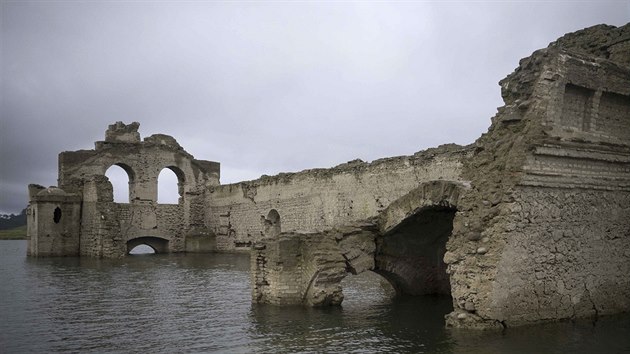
(411, 255)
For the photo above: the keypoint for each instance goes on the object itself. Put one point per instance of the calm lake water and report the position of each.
(201, 303)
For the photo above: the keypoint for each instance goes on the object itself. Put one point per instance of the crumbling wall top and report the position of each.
(602, 41)
(123, 133)
(601, 44)
(52, 190)
(163, 139)
(449, 151)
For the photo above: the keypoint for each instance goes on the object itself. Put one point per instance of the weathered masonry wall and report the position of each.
(575, 266)
(316, 200)
(549, 203)
(576, 190)
(55, 217)
(295, 269)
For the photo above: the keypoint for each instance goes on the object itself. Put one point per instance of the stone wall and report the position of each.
(320, 199)
(549, 199)
(568, 255)
(53, 221)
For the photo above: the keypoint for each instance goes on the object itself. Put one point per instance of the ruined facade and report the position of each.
(89, 223)
(530, 223)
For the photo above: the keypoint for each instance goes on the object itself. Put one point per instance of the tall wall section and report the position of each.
(319, 199)
(550, 198)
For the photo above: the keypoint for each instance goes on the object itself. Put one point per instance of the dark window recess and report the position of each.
(57, 215)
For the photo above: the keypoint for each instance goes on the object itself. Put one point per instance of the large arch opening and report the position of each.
(157, 244)
(170, 185)
(121, 177)
(411, 255)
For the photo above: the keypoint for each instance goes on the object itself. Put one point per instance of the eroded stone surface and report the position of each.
(553, 163)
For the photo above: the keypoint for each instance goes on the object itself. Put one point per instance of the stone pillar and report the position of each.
(295, 269)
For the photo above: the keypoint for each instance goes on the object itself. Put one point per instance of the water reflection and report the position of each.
(371, 320)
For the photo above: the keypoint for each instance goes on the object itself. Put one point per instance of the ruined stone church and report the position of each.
(530, 223)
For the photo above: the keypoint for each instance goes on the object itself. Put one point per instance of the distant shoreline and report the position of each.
(18, 233)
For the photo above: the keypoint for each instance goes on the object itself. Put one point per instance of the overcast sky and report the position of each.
(262, 87)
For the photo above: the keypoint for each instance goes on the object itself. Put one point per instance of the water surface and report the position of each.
(201, 303)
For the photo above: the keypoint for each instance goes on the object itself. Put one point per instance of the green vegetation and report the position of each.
(18, 233)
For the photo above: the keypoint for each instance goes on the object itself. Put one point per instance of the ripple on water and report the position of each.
(201, 303)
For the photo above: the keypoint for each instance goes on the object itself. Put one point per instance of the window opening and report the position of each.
(168, 187)
(57, 215)
(119, 179)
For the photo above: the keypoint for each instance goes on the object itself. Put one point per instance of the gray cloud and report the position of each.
(262, 87)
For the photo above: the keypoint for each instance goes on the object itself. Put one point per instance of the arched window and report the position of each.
(119, 178)
(169, 187)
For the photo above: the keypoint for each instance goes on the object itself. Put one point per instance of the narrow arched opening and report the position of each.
(170, 185)
(121, 178)
(142, 249)
(272, 225)
(411, 255)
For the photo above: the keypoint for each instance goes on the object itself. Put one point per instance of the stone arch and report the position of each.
(162, 189)
(299, 268)
(429, 194)
(117, 184)
(412, 242)
(158, 244)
